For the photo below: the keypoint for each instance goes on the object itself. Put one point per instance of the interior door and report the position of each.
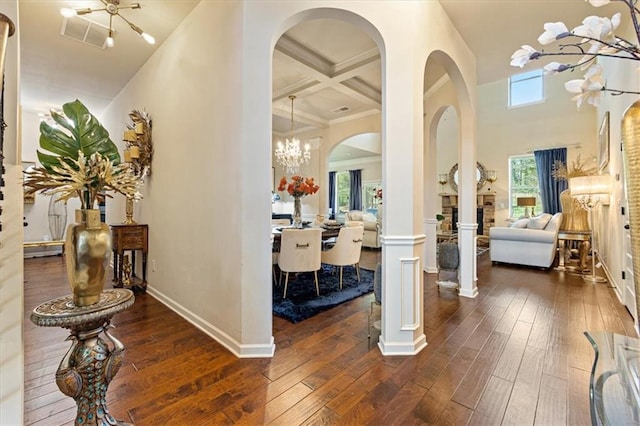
(628, 292)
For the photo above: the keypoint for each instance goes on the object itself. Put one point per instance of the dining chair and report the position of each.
(300, 252)
(346, 250)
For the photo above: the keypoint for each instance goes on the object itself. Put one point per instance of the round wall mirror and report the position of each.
(481, 176)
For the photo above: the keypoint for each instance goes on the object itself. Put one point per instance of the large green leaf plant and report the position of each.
(78, 159)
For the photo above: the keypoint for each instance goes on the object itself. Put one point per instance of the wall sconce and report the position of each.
(492, 176)
(443, 178)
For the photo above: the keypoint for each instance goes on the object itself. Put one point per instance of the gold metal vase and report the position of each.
(88, 251)
(631, 150)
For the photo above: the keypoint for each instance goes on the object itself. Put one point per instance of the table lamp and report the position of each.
(589, 191)
(526, 202)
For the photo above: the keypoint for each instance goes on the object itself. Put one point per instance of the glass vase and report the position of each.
(297, 213)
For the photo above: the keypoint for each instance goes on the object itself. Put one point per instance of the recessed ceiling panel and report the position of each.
(372, 75)
(287, 72)
(323, 102)
(336, 41)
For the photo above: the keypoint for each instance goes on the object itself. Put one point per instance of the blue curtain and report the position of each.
(332, 194)
(550, 188)
(355, 192)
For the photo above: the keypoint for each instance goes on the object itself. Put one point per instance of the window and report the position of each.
(369, 200)
(342, 191)
(526, 88)
(523, 182)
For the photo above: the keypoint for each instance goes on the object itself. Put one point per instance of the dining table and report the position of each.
(327, 233)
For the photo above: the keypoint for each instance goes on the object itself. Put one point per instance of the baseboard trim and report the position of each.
(402, 349)
(238, 349)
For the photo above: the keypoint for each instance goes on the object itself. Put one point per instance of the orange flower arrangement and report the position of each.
(299, 186)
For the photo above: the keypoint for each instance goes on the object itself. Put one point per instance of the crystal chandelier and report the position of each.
(289, 155)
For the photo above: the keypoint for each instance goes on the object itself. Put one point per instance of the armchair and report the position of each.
(372, 227)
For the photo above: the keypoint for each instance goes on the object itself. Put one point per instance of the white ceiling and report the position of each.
(332, 68)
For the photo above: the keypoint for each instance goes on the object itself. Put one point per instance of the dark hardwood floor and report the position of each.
(515, 355)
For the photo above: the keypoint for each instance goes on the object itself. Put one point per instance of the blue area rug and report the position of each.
(302, 303)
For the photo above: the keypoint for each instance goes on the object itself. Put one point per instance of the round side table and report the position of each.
(90, 363)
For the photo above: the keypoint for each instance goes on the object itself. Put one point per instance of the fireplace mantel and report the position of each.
(485, 200)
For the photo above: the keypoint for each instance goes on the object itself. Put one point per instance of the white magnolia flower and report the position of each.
(598, 28)
(554, 68)
(589, 89)
(552, 31)
(598, 3)
(521, 56)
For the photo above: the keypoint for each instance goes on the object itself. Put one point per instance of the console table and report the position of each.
(614, 387)
(85, 371)
(130, 237)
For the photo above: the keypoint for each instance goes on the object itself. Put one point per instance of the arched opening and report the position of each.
(450, 142)
(332, 65)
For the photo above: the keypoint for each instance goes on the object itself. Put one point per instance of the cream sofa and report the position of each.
(531, 241)
(371, 224)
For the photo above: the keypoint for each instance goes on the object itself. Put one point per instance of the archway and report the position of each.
(448, 88)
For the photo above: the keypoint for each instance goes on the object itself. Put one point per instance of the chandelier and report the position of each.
(289, 155)
(112, 7)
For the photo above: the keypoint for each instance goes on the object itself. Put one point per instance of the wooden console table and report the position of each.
(130, 237)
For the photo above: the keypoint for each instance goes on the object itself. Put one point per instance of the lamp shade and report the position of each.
(526, 201)
(591, 185)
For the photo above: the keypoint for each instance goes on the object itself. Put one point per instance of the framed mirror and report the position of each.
(481, 176)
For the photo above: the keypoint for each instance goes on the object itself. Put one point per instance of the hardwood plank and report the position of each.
(552, 403)
(509, 362)
(578, 407)
(524, 396)
(469, 391)
(493, 402)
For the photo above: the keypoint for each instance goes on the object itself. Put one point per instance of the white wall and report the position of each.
(11, 237)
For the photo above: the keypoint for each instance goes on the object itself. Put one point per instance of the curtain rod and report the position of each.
(576, 145)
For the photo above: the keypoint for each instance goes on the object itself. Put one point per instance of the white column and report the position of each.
(467, 204)
(402, 288)
(430, 257)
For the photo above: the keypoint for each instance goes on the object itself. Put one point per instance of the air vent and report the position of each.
(85, 31)
(340, 110)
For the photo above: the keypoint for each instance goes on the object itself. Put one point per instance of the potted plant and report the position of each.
(79, 160)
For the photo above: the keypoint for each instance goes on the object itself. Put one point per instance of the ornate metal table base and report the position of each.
(90, 364)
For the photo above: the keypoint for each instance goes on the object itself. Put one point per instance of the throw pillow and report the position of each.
(540, 221)
(355, 216)
(369, 217)
(520, 223)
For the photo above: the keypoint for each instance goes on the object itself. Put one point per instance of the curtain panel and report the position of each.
(332, 195)
(550, 188)
(355, 192)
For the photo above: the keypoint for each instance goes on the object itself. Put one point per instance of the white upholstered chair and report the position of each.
(300, 252)
(280, 222)
(346, 250)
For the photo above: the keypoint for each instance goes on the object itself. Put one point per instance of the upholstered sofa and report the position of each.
(530, 241)
(371, 224)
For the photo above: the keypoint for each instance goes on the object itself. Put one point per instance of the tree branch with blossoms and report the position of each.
(595, 38)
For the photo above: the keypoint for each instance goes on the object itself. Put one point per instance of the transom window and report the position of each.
(526, 88)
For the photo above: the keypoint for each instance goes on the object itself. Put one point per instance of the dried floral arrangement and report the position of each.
(578, 168)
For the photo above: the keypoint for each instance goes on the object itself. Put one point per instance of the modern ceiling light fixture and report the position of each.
(289, 155)
(112, 7)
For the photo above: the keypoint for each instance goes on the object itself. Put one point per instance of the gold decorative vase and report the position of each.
(631, 152)
(88, 251)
